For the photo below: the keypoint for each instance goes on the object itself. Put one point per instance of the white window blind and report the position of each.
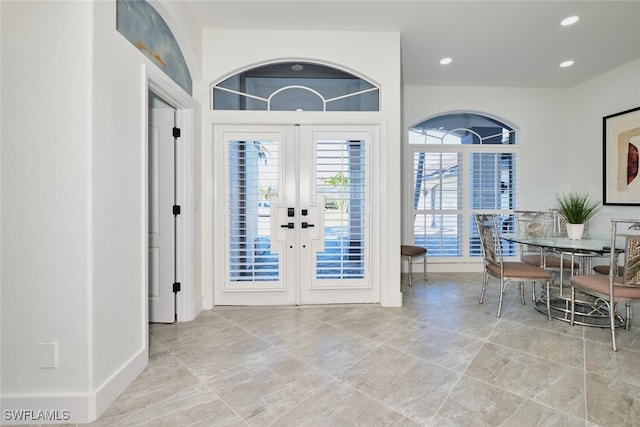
(253, 179)
(462, 163)
(437, 201)
(341, 179)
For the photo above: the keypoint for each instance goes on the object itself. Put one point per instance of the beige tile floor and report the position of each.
(440, 360)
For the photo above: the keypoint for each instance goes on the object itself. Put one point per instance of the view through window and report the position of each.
(295, 86)
(462, 163)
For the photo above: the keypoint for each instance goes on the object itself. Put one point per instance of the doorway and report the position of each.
(162, 223)
(297, 215)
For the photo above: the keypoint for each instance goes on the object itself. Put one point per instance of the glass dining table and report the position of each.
(581, 252)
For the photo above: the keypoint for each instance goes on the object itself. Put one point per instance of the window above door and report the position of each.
(295, 86)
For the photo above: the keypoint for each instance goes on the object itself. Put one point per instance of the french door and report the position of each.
(296, 215)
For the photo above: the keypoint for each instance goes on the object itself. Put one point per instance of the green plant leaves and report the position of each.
(576, 207)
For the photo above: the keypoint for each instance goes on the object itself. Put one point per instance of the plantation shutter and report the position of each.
(253, 177)
(341, 180)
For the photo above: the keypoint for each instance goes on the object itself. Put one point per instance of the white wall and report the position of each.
(118, 305)
(610, 93)
(73, 206)
(46, 187)
(376, 56)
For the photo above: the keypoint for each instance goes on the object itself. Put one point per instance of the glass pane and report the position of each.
(439, 233)
(253, 180)
(266, 80)
(368, 101)
(437, 197)
(296, 99)
(436, 181)
(340, 178)
(223, 100)
(461, 128)
(492, 181)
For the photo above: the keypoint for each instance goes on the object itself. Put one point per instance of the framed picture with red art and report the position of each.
(621, 143)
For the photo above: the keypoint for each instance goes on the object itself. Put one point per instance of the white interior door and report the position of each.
(161, 219)
(297, 217)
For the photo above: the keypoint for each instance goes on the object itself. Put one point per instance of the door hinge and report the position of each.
(176, 132)
(176, 209)
(176, 287)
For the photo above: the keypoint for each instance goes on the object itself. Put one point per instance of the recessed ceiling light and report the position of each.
(566, 64)
(569, 21)
(297, 67)
(446, 61)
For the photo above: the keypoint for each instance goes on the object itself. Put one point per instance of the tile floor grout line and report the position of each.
(231, 408)
(584, 375)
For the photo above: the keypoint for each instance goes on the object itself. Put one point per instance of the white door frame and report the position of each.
(213, 191)
(189, 299)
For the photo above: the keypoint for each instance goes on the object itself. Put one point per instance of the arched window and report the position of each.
(295, 86)
(462, 163)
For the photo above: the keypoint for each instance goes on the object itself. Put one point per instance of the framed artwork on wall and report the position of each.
(621, 143)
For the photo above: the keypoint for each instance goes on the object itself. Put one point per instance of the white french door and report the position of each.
(296, 215)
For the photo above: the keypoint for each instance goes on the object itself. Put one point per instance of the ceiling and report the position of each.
(492, 43)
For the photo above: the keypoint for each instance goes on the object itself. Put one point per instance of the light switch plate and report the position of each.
(48, 355)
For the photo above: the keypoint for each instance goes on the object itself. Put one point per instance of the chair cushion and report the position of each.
(550, 261)
(519, 270)
(532, 259)
(600, 284)
(604, 269)
(408, 250)
(554, 262)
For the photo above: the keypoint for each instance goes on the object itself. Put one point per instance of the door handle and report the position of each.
(307, 225)
(287, 225)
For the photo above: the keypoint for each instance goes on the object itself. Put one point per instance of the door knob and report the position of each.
(307, 225)
(287, 225)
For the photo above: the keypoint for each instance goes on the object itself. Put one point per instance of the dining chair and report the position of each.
(613, 289)
(506, 271)
(604, 269)
(619, 269)
(544, 224)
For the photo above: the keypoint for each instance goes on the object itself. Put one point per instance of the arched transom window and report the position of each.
(462, 163)
(295, 86)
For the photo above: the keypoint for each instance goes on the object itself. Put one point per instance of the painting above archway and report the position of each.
(143, 26)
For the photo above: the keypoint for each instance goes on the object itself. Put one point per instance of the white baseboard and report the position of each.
(196, 308)
(393, 299)
(70, 408)
(109, 391)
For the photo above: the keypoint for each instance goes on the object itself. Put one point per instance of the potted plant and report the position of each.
(577, 209)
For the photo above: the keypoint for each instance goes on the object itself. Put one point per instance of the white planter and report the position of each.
(574, 231)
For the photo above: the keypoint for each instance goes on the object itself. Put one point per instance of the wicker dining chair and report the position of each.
(613, 289)
(506, 271)
(619, 269)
